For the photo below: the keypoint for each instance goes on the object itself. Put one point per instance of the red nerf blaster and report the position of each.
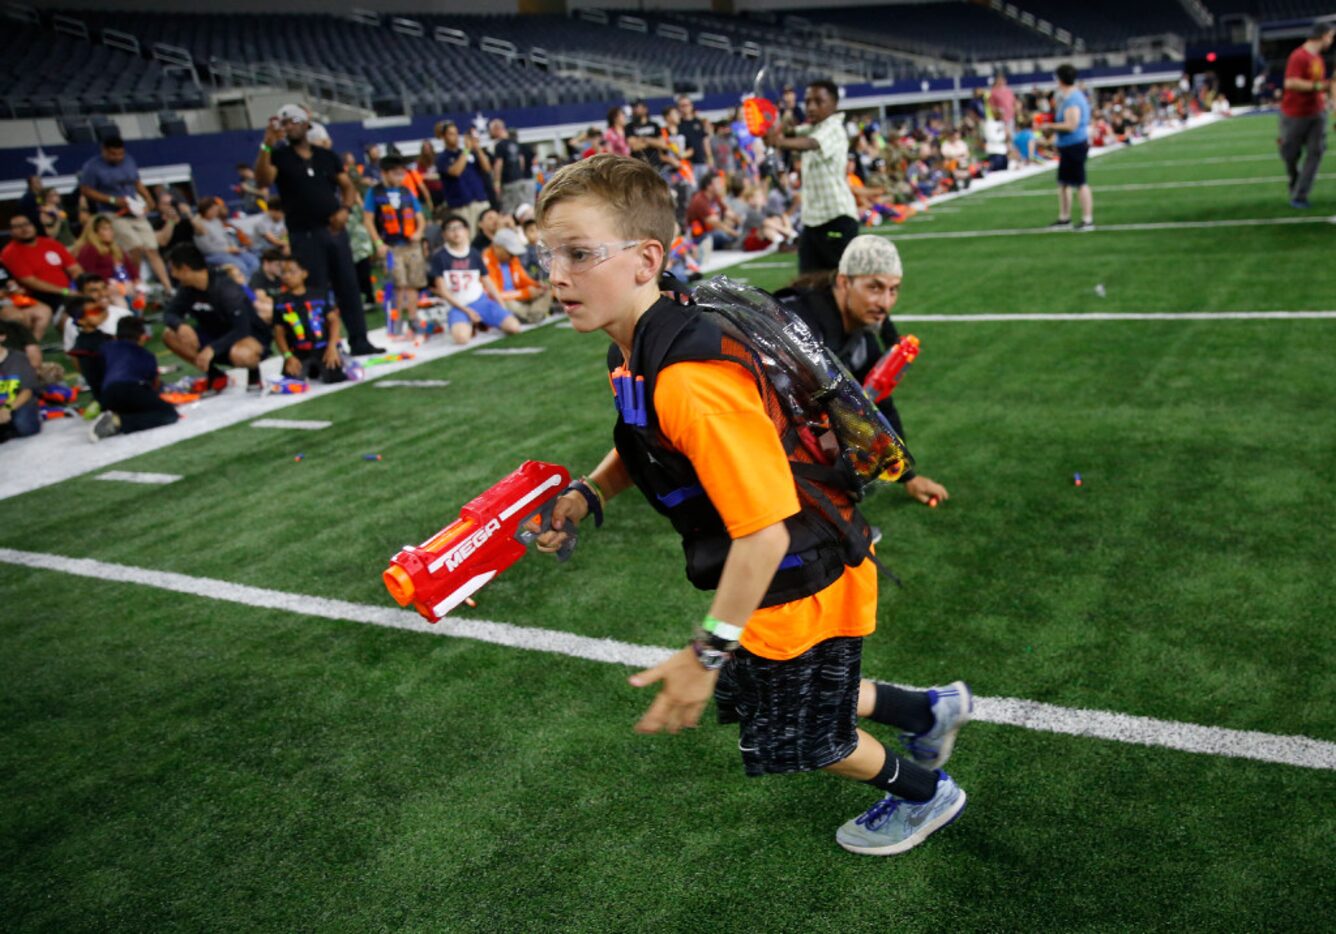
(885, 374)
(491, 533)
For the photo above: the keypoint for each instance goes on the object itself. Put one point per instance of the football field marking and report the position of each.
(1124, 316)
(293, 423)
(1208, 160)
(1301, 751)
(411, 383)
(508, 351)
(1149, 186)
(1112, 228)
(132, 476)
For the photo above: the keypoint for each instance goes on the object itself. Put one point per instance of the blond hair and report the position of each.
(87, 238)
(637, 198)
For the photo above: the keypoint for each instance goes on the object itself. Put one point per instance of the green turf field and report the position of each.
(179, 762)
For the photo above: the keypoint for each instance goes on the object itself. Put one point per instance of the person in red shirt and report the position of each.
(41, 265)
(1302, 129)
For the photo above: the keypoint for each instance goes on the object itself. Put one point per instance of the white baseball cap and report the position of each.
(293, 113)
(510, 240)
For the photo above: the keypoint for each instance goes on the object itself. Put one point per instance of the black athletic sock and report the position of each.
(910, 711)
(905, 779)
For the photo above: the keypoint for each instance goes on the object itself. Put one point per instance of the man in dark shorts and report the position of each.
(318, 197)
(1072, 126)
(700, 434)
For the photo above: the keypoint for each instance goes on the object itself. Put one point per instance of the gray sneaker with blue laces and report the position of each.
(894, 825)
(951, 706)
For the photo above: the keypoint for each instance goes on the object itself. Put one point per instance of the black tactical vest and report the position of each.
(828, 533)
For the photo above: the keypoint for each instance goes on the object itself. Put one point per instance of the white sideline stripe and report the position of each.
(1107, 228)
(1208, 160)
(507, 351)
(1126, 316)
(1152, 186)
(1301, 751)
(131, 476)
(411, 383)
(293, 423)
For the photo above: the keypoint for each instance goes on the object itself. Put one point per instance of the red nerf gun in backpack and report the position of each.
(886, 373)
(491, 533)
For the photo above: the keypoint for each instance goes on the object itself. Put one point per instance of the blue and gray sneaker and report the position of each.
(951, 706)
(894, 825)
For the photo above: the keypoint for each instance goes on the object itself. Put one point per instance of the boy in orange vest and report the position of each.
(393, 216)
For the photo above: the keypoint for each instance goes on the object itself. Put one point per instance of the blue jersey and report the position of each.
(1081, 134)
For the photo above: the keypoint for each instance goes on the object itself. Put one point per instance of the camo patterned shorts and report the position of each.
(797, 715)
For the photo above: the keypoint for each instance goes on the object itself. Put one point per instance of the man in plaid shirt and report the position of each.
(829, 213)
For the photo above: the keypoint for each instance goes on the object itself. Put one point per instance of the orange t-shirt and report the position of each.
(711, 412)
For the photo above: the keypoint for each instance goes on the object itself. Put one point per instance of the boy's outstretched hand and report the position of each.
(687, 688)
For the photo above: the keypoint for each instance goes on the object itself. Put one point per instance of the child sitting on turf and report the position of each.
(795, 593)
(306, 329)
(459, 276)
(393, 217)
(129, 390)
(19, 415)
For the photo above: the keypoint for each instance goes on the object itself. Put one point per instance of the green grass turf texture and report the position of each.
(172, 762)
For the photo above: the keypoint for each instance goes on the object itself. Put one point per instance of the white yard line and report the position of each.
(508, 351)
(290, 423)
(1298, 751)
(1205, 160)
(1156, 186)
(1123, 316)
(412, 383)
(130, 476)
(1112, 228)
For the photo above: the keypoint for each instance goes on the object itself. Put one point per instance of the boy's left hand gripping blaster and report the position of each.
(489, 536)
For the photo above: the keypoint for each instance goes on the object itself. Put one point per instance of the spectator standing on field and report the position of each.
(394, 220)
(1002, 101)
(1071, 123)
(695, 133)
(614, 137)
(318, 197)
(1302, 126)
(645, 136)
(829, 212)
(111, 184)
(510, 168)
(464, 167)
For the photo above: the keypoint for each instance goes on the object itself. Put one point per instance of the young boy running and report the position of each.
(459, 275)
(699, 433)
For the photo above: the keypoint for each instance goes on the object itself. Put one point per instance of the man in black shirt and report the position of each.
(846, 310)
(695, 131)
(317, 195)
(226, 330)
(510, 168)
(645, 136)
